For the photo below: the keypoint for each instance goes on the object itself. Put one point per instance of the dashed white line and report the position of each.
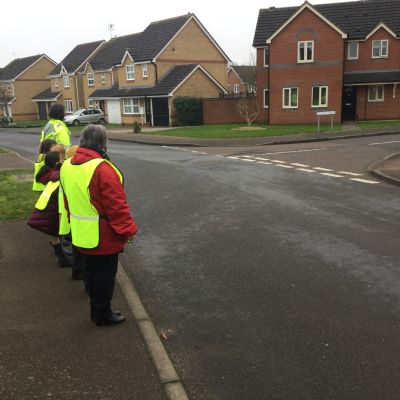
(279, 161)
(323, 169)
(349, 173)
(234, 158)
(375, 144)
(248, 156)
(364, 181)
(284, 166)
(261, 158)
(305, 169)
(264, 162)
(333, 175)
(300, 165)
(246, 159)
(294, 151)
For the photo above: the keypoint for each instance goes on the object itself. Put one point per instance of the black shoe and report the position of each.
(77, 275)
(113, 320)
(117, 312)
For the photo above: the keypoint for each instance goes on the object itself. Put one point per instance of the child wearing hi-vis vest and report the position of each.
(45, 217)
(45, 147)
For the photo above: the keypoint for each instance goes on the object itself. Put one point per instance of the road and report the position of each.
(269, 282)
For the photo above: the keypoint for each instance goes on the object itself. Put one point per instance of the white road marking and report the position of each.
(284, 166)
(300, 165)
(248, 156)
(195, 151)
(364, 181)
(294, 151)
(279, 161)
(235, 158)
(329, 174)
(323, 169)
(261, 158)
(349, 173)
(375, 144)
(246, 159)
(264, 162)
(306, 170)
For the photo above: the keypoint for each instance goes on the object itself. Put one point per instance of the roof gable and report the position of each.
(381, 26)
(246, 73)
(356, 18)
(18, 66)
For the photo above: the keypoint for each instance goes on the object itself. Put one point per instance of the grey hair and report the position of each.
(94, 137)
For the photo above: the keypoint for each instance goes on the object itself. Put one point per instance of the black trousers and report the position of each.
(100, 274)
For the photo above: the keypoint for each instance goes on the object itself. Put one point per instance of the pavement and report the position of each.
(50, 347)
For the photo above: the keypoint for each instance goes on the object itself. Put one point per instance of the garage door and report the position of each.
(160, 111)
(114, 111)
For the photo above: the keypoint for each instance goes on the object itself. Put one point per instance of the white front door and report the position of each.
(114, 111)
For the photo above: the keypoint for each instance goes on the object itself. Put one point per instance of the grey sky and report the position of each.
(31, 27)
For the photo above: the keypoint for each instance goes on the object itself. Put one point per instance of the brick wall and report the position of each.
(222, 111)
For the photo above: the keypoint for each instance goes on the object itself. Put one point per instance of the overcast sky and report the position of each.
(30, 27)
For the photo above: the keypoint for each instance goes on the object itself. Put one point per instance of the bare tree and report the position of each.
(247, 109)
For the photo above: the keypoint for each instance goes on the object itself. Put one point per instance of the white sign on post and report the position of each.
(321, 113)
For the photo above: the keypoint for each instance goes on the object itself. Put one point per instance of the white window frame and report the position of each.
(319, 96)
(103, 78)
(349, 57)
(56, 83)
(290, 89)
(91, 103)
(265, 105)
(130, 72)
(305, 43)
(131, 106)
(236, 88)
(90, 79)
(376, 99)
(380, 43)
(265, 51)
(9, 87)
(145, 72)
(66, 81)
(68, 106)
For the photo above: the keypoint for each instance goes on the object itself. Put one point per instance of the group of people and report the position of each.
(82, 198)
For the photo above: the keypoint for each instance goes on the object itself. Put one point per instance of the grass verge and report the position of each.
(16, 196)
(234, 131)
(378, 124)
(3, 151)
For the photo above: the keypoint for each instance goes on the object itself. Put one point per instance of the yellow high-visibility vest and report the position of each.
(64, 228)
(56, 130)
(84, 218)
(37, 186)
(44, 198)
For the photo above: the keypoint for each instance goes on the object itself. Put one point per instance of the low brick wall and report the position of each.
(222, 111)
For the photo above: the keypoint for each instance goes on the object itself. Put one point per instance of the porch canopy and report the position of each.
(371, 77)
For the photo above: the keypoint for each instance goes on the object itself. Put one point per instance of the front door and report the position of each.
(42, 110)
(114, 111)
(349, 103)
(160, 111)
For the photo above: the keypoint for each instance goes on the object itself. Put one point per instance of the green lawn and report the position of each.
(378, 124)
(17, 199)
(3, 151)
(229, 130)
(30, 124)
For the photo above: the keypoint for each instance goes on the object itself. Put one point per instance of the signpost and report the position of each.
(321, 113)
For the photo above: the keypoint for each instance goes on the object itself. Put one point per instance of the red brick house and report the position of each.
(342, 57)
(242, 80)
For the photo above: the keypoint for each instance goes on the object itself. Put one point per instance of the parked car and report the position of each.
(85, 116)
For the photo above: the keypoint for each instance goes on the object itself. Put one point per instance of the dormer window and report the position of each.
(144, 71)
(90, 79)
(56, 83)
(352, 51)
(9, 87)
(305, 51)
(130, 72)
(103, 78)
(380, 48)
(66, 81)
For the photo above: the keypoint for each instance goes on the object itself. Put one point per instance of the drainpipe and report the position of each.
(77, 91)
(155, 66)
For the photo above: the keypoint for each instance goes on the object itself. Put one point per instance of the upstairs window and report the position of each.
(290, 97)
(266, 98)
(130, 72)
(9, 87)
(236, 88)
(305, 51)
(319, 96)
(144, 71)
(90, 79)
(352, 51)
(66, 81)
(103, 78)
(380, 48)
(375, 93)
(266, 57)
(56, 83)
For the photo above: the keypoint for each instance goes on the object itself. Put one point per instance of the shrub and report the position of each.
(136, 127)
(189, 110)
(4, 121)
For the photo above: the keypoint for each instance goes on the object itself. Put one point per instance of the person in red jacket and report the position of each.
(116, 225)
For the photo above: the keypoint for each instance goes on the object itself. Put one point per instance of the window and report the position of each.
(380, 48)
(305, 51)
(103, 78)
(9, 87)
(236, 88)
(375, 93)
(66, 81)
(266, 57)
(131, 106)
(319, 96)
(144, 71)
(352, 51)
(90, 103)
(56, 83)
(290, 97)
(130, 72)
(68, 106)
(90, 79)
(266, 98)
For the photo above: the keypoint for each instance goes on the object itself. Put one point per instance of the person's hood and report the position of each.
(83, 155)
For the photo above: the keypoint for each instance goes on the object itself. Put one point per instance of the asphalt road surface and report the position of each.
(268, 282)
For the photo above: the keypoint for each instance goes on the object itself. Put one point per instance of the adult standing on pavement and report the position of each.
(100, 219)
(55, 128)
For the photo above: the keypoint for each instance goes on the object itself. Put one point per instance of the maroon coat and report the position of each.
(108, 197)
(47, 220)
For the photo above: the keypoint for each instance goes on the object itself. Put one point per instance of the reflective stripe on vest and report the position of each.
(64, 223)
(84, 218)
(37, 186)
(44, 198)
